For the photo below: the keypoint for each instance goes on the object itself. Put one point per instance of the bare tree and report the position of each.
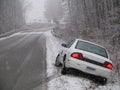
(53, 10)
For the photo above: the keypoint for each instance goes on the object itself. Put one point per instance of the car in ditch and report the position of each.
(85, 56)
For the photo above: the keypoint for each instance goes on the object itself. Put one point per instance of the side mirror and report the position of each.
(64, 45)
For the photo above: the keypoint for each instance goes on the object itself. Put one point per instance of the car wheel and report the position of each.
(104, 80)
(64, 69)
(57, 63)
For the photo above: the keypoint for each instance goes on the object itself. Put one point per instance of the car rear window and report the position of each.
(91, 48)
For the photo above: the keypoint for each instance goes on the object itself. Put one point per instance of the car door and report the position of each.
(65, 50)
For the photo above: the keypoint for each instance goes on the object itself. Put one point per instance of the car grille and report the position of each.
(93, 62)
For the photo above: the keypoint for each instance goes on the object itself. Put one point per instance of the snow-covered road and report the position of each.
(67, 82)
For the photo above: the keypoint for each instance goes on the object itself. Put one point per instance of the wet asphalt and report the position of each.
(23, 62)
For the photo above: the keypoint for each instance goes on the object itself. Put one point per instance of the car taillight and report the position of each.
(108, 65)
(77, 55)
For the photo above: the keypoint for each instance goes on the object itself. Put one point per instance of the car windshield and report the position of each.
(91, 48)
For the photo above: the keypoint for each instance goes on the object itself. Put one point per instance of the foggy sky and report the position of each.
(36, 11)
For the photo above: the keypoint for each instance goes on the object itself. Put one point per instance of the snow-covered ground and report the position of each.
(56, 81)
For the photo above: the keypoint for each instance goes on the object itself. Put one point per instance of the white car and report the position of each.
(85, 56)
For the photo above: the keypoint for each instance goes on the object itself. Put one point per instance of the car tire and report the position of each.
(57, 63)
(104, 80)
(64, 69)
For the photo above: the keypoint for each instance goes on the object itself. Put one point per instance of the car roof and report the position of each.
(89, 42)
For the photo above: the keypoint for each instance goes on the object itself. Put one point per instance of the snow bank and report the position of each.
(53, 48)
(6, 37)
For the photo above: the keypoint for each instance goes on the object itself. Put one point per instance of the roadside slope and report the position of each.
(67, 82)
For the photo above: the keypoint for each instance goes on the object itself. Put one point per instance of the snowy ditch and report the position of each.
(56, 81)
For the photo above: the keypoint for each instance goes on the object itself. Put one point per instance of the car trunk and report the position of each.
(93, 58)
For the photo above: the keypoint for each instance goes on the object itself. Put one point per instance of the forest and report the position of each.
(11, 15)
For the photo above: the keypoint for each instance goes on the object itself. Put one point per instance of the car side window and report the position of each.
(70, 43)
